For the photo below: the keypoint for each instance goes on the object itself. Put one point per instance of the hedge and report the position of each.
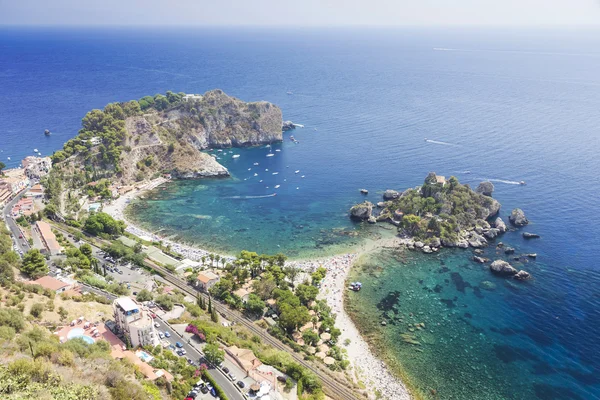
(214, 384)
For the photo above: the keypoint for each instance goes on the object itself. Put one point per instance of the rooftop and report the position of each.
(47, 235)
(207, 276)
(127, 304)
(48, 282)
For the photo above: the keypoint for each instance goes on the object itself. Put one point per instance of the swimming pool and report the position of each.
(144, 356)
(79, 333)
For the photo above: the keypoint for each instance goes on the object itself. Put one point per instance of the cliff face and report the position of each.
(173, 139)
(125, 144)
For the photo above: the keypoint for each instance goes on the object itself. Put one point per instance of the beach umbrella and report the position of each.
(255, 387)
(328, 361)
(325, 336)
(321, 355)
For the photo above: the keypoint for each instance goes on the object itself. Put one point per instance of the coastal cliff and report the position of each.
(137, 140)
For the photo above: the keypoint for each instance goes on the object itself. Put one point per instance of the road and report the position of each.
(334, 388)
(22, 244)
(194, 353)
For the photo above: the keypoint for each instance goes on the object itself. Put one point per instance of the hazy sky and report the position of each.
(300, 12)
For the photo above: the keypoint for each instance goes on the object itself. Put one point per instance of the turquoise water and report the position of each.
(484, 337)
(80, 333)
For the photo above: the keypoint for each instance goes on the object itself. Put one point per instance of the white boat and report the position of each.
(249, 169)
(297, 171)
(230, 151)
(277, 186)
(255, 163)
(278, 150)
(220, 150)
(275, 173)
(260, 181)
(302, 176)
(35, 150)
(266, 169)
(255, 174)
(235, 156)
(218, 158)
(270, 155)
(297, 188)
(268, 146)
(8, 158)
(213, 155)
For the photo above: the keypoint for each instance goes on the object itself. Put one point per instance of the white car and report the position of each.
(156, 325)
(160, 335)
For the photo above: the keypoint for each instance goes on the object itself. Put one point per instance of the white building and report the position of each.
(134, 322)
(192, 97)
(36, 167)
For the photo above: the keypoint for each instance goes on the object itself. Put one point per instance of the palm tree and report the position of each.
(218, 258)
(203, 260)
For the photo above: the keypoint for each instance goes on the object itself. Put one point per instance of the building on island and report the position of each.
(440, 180)
(192, 97)
(134, 322)
(49, 243)
(206, 280)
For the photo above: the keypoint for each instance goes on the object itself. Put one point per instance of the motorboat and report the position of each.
(522, 183)
(270, 155)
(255, 163)
(297, 171)
(235, 156)
(277, 186)
(275, 173)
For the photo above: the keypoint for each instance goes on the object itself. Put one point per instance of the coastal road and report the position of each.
(331, 386)
(15, 230)
(193, 352)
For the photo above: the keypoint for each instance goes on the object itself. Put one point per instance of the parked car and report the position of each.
(160, 335)
(178, 344)
(203, 389)
(156, 325)
(241, 384)
(213, 392)
(282, 378)
(231, 376)
(167, 334)
(226, 370)
(135, 293)
(120, 272)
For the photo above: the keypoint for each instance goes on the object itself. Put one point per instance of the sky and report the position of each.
(301, 12)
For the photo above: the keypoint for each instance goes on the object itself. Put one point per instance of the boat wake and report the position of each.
(251, 197)
(501, 181)
(441, 143)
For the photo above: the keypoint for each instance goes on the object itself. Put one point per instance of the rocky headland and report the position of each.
(134, 141)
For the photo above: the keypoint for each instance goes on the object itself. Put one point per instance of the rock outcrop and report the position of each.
(522, 275)
(517, 217)
(485, 188)
(390, 195)
(362, 211)
(500, 225)
(501, 267)
(528, 235)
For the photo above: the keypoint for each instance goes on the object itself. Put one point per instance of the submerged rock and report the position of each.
(509, 250)
(517, 217)
(501, 267)
(485, 188)
(481, 260)
(487, 285)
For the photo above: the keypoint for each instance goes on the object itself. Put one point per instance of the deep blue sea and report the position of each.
(500, 105)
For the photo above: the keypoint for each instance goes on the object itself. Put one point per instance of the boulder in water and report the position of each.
(517, 217)
(390, 195)
(287, 126)
(528, 235)
(501, 267)
(500, 225)
(522, 275)
(362, 211)
(485, 188)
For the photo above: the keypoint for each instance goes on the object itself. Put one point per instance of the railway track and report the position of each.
(332, 387)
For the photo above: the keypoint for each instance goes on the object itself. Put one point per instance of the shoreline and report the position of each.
(365, 366)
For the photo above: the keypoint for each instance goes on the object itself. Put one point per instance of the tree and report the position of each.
(292, 272)
(144, 295)
(213, 354)
(214, 317)
(165, 302)
(291, 317)
(411, 223)
(63, 313)
(306, 293)
(2, 166)
(36, 310)
(254, 305)
(209, 305)
(34, 264)
(98, 223)
(264, 288)
(318, 275)
(86, 250)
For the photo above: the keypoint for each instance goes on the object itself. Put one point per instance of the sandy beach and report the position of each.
(371, 371)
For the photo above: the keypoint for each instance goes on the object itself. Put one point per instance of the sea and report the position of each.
(380, 108)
